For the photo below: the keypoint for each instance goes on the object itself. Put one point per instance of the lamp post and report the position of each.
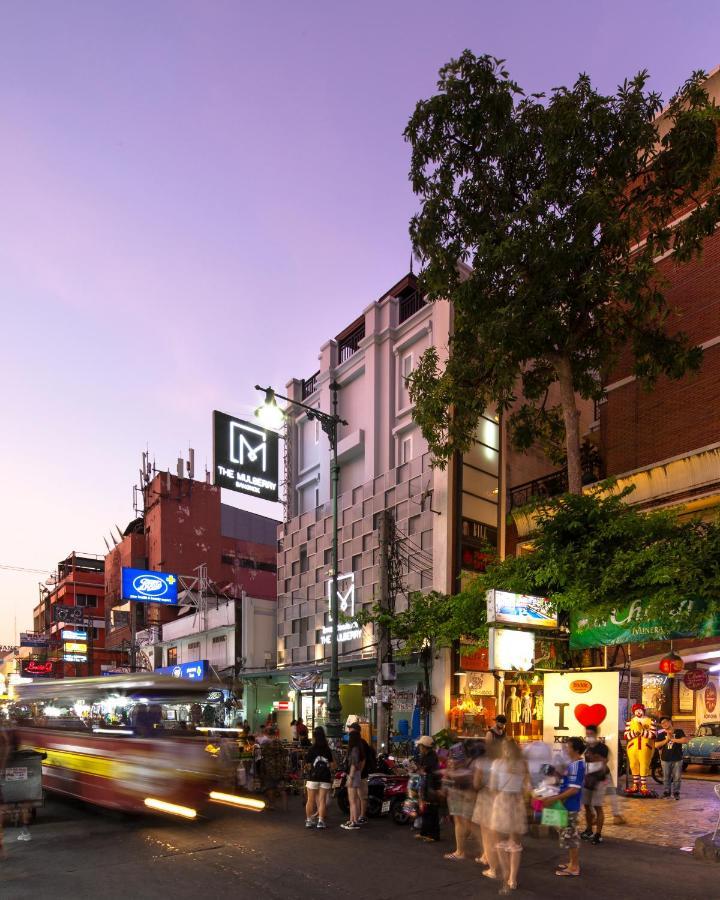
(270, 414)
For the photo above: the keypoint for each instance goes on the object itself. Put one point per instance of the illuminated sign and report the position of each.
(74, 647)
(282, 705)
(245, 457)
(31, 668)
(506, 608)
(195, 671)
(145, 586)
(346, 631)
(77, 634)
(567, 715)
(511, 650)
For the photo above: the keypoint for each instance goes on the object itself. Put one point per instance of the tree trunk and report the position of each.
(571, 417)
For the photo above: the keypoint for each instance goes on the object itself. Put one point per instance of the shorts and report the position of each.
(594, 796)
(318, 785)
(570, 836)
(363, 788)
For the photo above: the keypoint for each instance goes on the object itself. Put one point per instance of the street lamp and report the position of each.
(270, 414)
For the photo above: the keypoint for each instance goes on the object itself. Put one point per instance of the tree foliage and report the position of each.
(593, 553)
(559, 207)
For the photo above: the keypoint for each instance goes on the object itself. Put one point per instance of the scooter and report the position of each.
(386, 791)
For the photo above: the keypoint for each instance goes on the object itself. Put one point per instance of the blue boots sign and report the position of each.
(149, 587)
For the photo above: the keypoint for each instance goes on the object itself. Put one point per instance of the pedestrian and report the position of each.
(369, 766)
(497, 731)
(594, 785)
(319, 764)
(570, 796)
(510, 782)
(482, 812)
(302, 733)
(356, 760)
(273, 757)
(429, 765)
(670, 744)
(458, 783)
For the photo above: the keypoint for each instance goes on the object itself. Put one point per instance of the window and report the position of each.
(327, 556)
(405, 450)
(406, 367)
(220, 639)
(194, 645)
(317, 497)
(86, 600)
(172, 656)
(316, 423)
(304, 562)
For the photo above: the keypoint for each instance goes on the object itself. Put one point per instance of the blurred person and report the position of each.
(319, 765)
(458, 782)
(356, 761)
(429, 764)
(482, 812)
(670, 744)
(510, 782)
(594, 785)
(570, 796)
(302, 733)
(369, 765)
(497, 731)
(273, 758)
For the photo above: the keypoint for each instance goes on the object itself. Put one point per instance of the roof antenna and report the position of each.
(411, 262)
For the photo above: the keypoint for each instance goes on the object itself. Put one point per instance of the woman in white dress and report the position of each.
(510, 782)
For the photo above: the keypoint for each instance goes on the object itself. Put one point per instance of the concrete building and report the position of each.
(441, 517)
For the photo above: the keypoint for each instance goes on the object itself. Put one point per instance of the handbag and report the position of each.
(555, 816)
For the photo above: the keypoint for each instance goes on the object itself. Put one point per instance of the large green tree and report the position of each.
(559, 208)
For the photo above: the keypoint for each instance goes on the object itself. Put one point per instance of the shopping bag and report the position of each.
(555, 816)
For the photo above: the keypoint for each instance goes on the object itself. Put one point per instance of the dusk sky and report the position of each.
(195, 195)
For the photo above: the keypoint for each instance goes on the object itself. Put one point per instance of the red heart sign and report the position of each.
(590, 715)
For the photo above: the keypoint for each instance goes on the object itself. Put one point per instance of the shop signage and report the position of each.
(31, 668)
(506, 608)
(511, 650)
(33, 639)
(245, 457)
(195, 671)
(568, 715)
(74, 647)
(75, 657)
(7, 648)
(707, 708)
(696, 679)
(580, 686)
(214, 696)
(686, 698)
(282, 705)
(628, 625)
(146, 586)
(77, 634)
(473, 658)
(72, 615)
(347, 631)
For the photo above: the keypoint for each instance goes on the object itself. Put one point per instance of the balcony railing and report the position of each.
(350, 344)
(410, 305)
(309, 385)
(553, 484)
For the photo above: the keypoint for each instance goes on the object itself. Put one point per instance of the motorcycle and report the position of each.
(386, 791)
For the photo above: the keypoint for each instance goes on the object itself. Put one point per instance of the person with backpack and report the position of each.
(369, 766)
(318, 765)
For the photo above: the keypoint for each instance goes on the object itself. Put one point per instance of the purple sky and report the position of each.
(194, 196)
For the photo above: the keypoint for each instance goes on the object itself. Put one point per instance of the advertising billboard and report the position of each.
(31, 668)
(145, 586)
(506, 608)
(31, 639)
(245, 457)
(195, 671)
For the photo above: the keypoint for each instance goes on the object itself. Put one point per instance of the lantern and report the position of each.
(671, 664)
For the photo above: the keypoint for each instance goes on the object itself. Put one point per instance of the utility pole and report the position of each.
(384, 649)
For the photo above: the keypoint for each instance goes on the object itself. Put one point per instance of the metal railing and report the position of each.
(309, 385)
(410, 305)
(350, 344)
(548, 486)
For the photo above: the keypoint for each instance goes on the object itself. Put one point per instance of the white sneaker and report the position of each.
(24, 835)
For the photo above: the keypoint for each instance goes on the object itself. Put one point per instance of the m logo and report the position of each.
(248, 445)
(345, 594)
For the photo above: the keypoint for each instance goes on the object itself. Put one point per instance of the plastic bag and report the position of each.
(555, 816)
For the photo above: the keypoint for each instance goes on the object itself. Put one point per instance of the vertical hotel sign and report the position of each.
(245, 457)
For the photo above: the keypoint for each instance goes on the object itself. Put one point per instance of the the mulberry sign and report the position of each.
(245, 457)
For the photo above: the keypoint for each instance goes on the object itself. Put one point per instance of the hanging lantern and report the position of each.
(671, 664)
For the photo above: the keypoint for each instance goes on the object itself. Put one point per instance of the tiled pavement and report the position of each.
(667, 823)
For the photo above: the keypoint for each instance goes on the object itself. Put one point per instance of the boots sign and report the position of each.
(574, 700)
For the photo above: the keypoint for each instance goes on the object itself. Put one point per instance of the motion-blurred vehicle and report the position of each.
(704, 748)
(105, 743)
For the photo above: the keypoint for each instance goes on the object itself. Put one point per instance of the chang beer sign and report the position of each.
(629, 625)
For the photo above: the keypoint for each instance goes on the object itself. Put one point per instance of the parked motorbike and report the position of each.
(386, 791)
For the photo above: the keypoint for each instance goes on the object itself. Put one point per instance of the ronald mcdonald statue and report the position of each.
(640, 736)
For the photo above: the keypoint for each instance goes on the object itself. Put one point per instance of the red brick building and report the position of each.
(79, 585)
(186, 526)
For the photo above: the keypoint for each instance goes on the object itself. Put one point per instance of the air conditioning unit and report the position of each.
(389, 672)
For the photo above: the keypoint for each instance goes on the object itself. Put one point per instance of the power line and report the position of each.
(29, 571)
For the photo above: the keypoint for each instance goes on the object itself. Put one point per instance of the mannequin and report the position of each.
(539, 706)
(526, 712)
(512, 708)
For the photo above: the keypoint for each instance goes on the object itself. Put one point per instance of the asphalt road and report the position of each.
(80, 852)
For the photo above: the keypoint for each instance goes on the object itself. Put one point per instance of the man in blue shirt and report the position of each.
(570, 796)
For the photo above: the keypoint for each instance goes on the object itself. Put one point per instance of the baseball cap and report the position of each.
(425, 741)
